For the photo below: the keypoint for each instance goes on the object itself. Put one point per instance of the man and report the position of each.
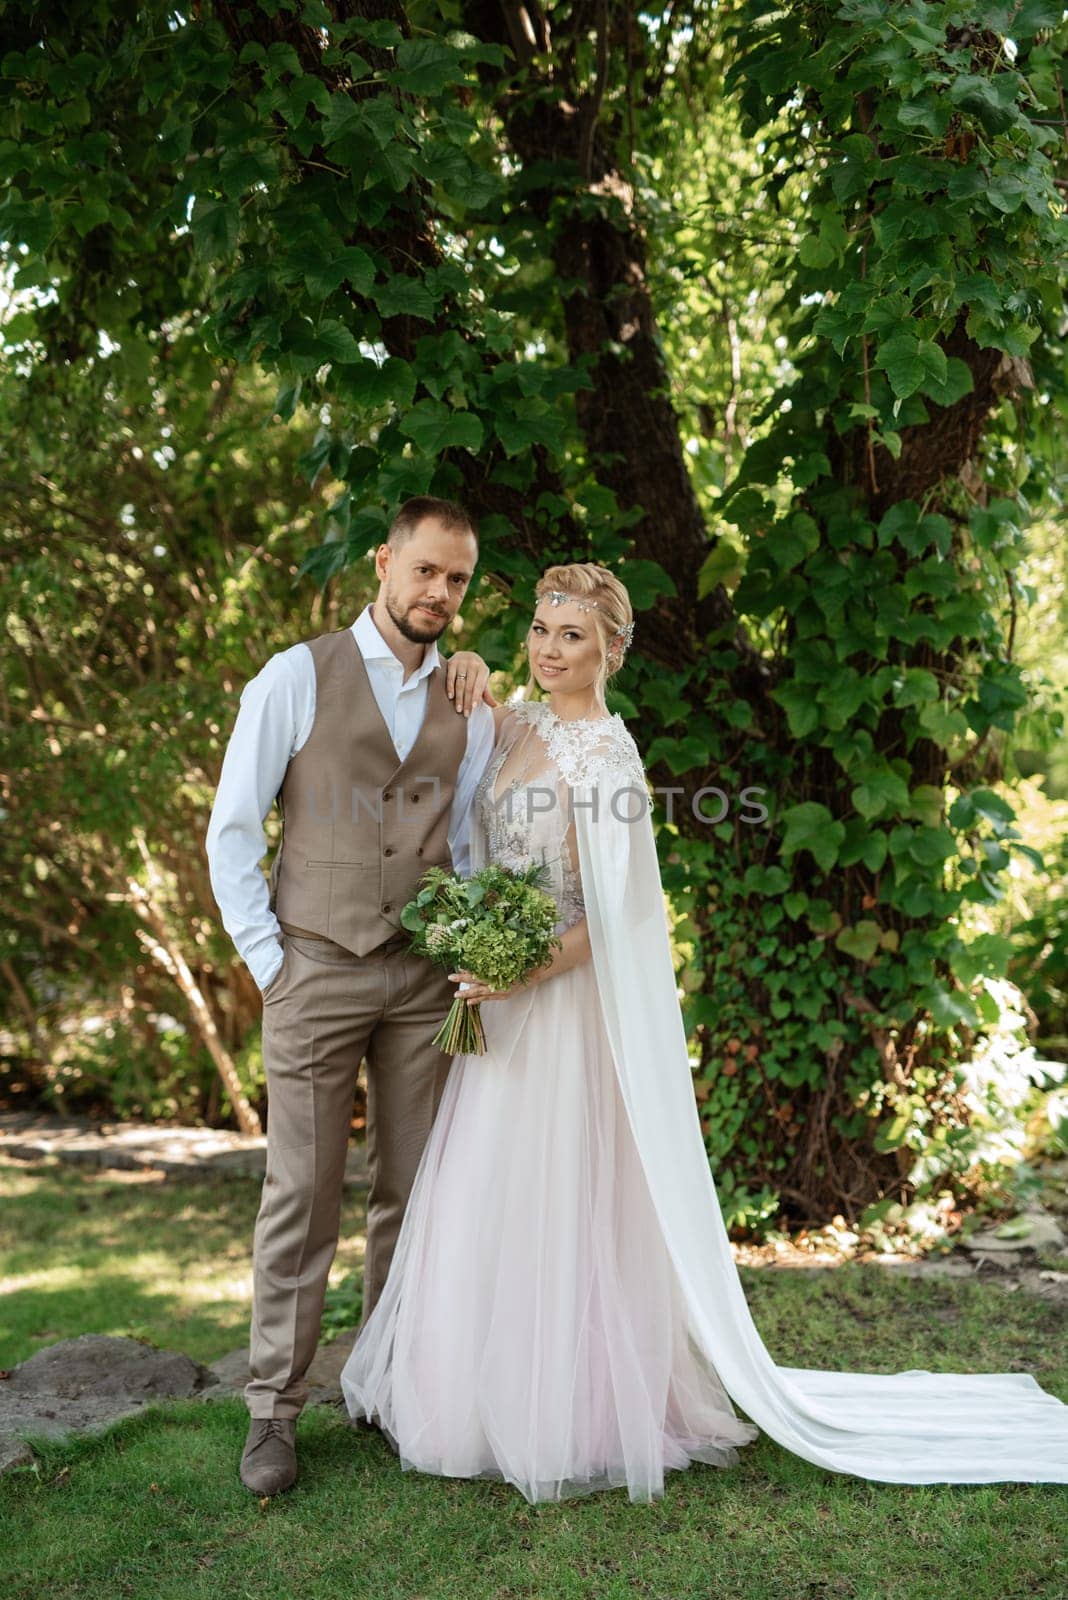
(354, 734)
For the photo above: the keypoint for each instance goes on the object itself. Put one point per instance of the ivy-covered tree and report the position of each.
(762, 306)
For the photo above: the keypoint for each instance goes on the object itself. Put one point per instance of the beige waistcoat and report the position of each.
(359, 829)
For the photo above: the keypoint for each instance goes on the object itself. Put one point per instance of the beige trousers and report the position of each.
(325, 1011)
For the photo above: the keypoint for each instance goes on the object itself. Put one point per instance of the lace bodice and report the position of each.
(530, 818)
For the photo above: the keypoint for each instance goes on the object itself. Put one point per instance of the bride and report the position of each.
(563, 1310)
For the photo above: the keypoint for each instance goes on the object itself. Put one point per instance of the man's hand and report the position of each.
(467, 681)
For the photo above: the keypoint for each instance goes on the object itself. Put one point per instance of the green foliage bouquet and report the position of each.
(497, 924)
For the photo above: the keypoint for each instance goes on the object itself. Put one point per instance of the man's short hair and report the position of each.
(449, 513)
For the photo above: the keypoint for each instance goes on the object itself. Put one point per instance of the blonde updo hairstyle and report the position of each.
(585, 580)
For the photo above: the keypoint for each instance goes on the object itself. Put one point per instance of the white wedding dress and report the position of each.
(563, 1310)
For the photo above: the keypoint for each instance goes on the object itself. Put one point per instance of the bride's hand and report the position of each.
(480, 991)
(472, 686)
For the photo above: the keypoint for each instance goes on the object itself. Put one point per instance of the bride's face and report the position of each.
(563, 646)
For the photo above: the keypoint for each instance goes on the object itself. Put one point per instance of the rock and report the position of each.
(930, 1269)
(999, 1260)
(83, 1385)
(138, 1146)
(15, 1453)
(324, 1374)
(1031, 1230)
(231, 1373)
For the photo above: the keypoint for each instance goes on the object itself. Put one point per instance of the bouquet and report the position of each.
(498, 924)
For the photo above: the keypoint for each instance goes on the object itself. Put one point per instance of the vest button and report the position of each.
(388, 795)
(388, 851)
(419, 851)
(415, 799)
(388, 906)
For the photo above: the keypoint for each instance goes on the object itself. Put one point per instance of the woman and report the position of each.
(563, 1310)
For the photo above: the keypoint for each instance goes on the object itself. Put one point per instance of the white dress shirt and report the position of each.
(274, 720)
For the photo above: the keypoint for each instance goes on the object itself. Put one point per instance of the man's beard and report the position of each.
(418, 632)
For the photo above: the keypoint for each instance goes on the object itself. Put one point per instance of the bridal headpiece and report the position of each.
(560, 597)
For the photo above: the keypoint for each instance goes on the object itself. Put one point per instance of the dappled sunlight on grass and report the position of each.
(84, 1250)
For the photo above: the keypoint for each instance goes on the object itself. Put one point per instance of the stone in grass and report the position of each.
(83, 1385)
(323, 1375)
(15, 1453)
(1031, 1230)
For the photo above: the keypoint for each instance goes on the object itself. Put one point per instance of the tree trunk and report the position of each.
(168, 951)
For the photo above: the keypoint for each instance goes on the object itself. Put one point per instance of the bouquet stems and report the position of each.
(462, 1033)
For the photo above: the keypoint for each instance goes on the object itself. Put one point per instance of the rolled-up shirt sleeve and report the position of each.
(260, 748)
(480, 735)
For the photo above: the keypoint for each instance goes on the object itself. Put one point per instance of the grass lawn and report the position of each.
(154, 1509)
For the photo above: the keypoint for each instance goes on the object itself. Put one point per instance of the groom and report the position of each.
(353, 732)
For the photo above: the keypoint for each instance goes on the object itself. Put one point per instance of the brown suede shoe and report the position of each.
(269, 1462)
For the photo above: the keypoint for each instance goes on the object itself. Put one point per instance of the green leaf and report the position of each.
(949, 1008)
(958, 382)
(681, 755)
(874, 852)
(842, 698)
(344, 118)
(434, 427)
(425, 66)
(989, 100)
(925, 114)
(880, 790)
(981, 803)
(915, 533)
(861, 940)
(214, 225)
(351, 265)
(1005, 192)
(402, 296)
(25, 222)
(930, 847)
(244, 169)
(789, 542)
(765, 880)
(927, 804)
(801, 707)
(336, 342)
(305, 91)
(285, 402)
(916, 687)
(723, 565)
(810, 826)
(1034, 16)
(891, 1135)
(646, 581)
(909, 362)
(282, 58)
(942, 724)
(528, 422)
(815, 252)
(370, 385)
(378, 31)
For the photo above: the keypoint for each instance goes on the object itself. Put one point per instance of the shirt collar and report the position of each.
(372, 645)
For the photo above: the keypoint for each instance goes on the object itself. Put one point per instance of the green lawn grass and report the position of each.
(154, 1509)
(90, 1251)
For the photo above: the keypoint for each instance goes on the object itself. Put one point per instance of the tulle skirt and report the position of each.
(531, 1328)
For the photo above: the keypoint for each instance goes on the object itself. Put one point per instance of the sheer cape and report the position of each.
(915, 1426)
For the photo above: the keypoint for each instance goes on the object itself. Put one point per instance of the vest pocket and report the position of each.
(340, 863)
